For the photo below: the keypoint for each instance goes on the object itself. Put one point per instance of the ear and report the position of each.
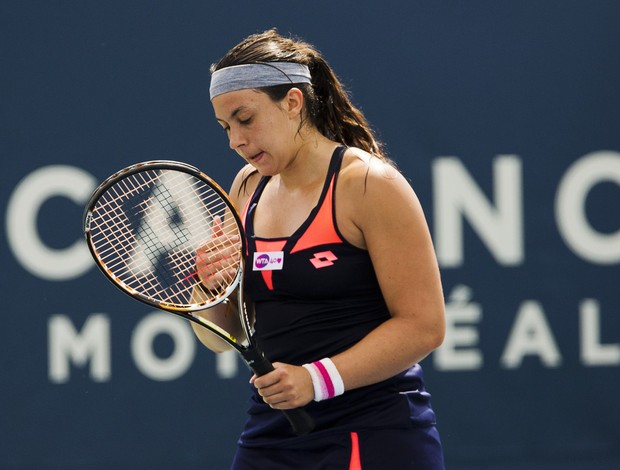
(294, 102)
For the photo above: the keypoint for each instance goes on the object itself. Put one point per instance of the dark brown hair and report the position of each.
(328, 106)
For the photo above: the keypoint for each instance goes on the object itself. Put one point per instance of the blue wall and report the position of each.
(504, 115)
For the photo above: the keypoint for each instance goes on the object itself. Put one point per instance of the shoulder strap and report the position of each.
(250, 205)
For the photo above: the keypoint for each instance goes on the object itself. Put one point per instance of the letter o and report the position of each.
(570, 211)
(148, 362)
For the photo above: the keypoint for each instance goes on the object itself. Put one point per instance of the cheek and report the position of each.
(273, 132)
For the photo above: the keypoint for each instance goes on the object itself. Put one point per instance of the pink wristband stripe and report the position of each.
(327, 380)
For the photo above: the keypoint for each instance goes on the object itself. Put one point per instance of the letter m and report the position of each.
(67, 346)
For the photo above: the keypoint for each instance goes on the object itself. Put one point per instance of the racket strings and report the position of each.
(147, 230)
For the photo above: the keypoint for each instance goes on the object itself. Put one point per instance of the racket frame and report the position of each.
(300, 421)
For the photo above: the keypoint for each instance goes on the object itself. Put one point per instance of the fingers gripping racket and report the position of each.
(152, 226)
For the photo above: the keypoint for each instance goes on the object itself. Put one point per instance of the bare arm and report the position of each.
(223, 315)
(398, 240)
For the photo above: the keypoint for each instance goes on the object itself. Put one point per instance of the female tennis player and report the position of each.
(340, 267)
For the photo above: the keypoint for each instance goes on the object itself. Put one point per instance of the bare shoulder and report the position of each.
(243, 185)
(370, 178)
(372, 198)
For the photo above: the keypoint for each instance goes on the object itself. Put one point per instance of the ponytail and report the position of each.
(336, 116)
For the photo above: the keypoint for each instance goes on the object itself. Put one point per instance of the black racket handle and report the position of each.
(301, 422)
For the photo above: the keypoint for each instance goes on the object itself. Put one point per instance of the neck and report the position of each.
(309, 164)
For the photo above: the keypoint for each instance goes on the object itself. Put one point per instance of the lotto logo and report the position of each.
(323, 259)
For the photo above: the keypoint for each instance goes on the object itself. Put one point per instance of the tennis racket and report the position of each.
(167, 235)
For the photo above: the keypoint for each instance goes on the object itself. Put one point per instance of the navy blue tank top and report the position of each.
(316, 295)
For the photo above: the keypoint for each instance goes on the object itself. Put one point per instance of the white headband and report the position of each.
(241, 77)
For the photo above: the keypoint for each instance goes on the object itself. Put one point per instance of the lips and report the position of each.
(256, 157)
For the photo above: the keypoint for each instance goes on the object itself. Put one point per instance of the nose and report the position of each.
(235, 139)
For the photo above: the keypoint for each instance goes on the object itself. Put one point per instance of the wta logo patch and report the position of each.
(268, 261)
(323, 259)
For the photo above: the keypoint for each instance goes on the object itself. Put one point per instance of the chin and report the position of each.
(265, 171)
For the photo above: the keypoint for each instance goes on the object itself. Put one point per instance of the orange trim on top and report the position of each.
(244, 212)
(321, 230)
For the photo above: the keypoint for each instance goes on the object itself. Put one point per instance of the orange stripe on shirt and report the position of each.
(321, 230)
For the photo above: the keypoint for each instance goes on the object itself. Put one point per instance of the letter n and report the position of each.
(499, 224)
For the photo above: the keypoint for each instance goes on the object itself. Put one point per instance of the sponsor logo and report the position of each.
(268, 261)
(323, 259)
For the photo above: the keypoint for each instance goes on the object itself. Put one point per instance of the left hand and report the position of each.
(286, 387)
(218, 259)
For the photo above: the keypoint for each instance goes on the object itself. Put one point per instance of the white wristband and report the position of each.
(326, 379)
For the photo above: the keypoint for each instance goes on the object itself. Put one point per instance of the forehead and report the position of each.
(228, 104)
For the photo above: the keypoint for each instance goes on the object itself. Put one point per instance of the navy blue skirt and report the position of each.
(415, 448)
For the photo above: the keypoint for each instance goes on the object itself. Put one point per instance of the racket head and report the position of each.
(145, 224)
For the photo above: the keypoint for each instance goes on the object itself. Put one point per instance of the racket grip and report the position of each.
(301, 422)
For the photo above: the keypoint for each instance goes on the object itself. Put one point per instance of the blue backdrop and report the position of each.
(505, 117)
